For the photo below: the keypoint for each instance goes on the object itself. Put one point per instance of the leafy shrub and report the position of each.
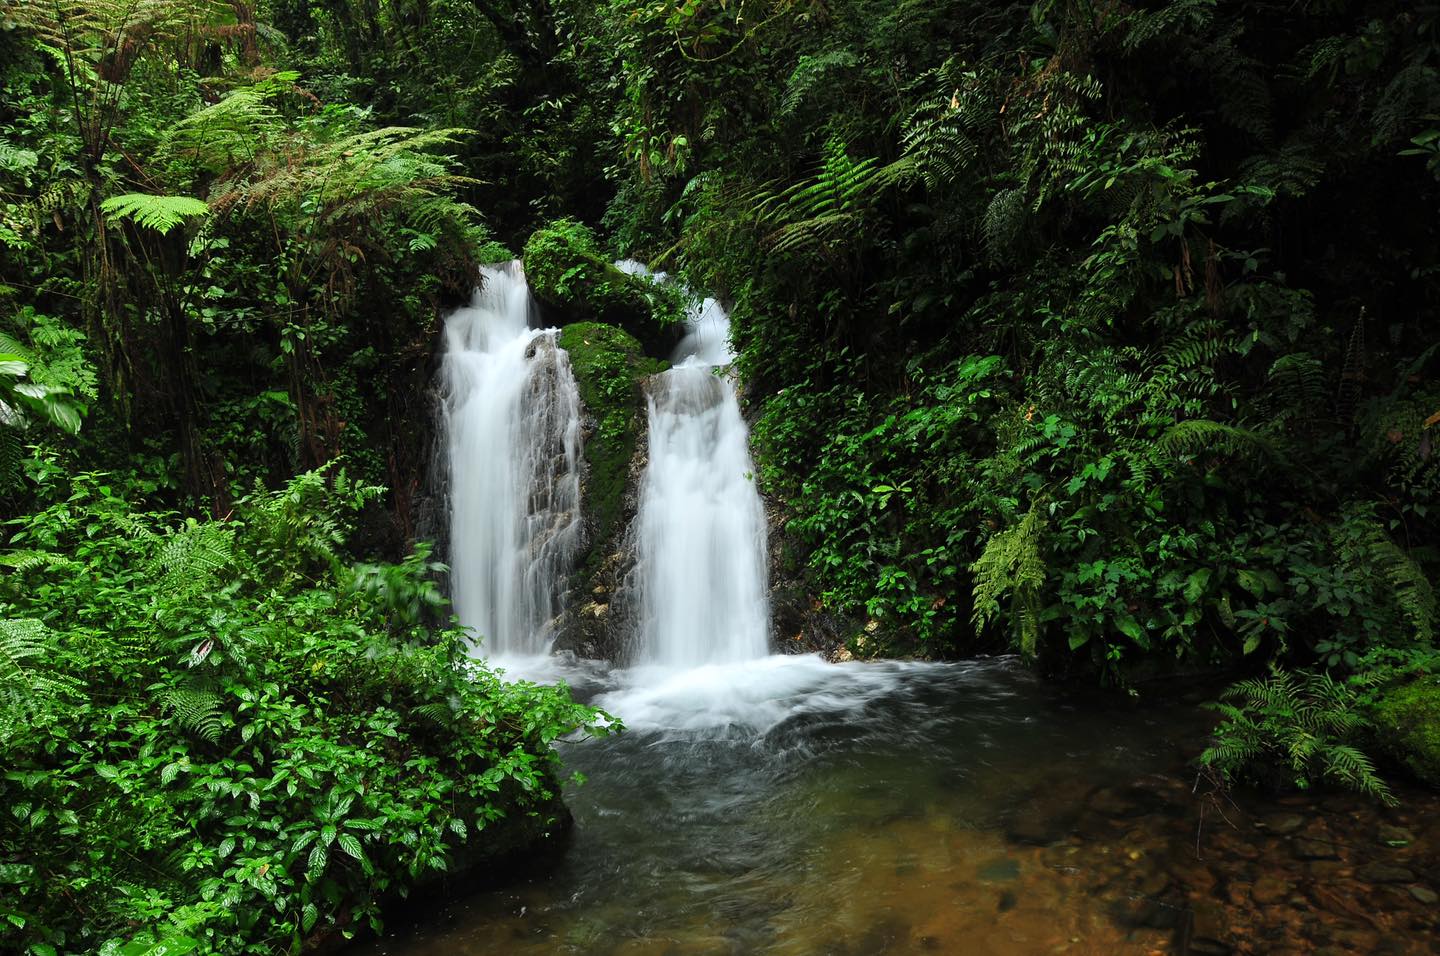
(565, 268)
(220, 731)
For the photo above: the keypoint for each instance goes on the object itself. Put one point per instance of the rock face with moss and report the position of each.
(1408, 718)
(573, 281)
(610, 368)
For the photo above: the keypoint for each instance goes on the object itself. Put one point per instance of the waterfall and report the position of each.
(701, 553)
(511, 417)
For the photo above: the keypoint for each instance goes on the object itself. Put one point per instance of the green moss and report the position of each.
(1407, 718)
(609, 367)
(566, 270)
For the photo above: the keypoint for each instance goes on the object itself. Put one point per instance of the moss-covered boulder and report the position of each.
(1407, 721)
(570, 276)
(610, 367)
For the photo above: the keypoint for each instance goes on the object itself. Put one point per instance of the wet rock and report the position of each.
(1307, 849)
(1001, 870)
(1425, 895)
(1282, 823)
(1384, 873)
(1269, 889)
(1008, 901)
(1209, 929)
(1036, 828)
(1326, 870)
(1154, 882)
(1394, 836)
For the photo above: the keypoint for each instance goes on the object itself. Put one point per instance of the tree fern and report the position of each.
(161, 213)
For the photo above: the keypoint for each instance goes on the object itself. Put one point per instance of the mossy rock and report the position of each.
(1407, 721)
(568, 274)
(610, 367)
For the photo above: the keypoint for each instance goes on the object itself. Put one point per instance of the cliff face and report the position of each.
(611, 369)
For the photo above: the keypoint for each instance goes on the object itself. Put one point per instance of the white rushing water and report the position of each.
(701, 553)
(512, 426)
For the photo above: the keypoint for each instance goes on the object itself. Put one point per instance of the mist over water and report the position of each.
(511, 416)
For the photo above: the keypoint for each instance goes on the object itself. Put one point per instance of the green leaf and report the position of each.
(351, 846)
(1196, 584)
(173, 946)
(161, 213)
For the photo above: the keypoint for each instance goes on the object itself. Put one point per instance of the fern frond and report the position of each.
(1011, 565)
(192, 557)
(199, 710)
(161, 213)
(1190, 438)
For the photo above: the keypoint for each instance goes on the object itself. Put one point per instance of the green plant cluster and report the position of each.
(566, 270)
(254, 272)
(220, 732)
(1296, 725)
(1035, 357)
(610, 368)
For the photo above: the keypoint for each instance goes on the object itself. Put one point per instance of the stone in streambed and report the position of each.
(1384, 873)
(1036, 828)
(1393, 836)
(1001, 870)
(1282, 823)
(1269, 889)
(1209, 929)
(1307, 849)
(1425, 895)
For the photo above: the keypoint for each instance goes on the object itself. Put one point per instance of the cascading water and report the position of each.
(701, 556)
(512, 425)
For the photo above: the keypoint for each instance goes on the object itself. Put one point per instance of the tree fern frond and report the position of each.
(161, 213)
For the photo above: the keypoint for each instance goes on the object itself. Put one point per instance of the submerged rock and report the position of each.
(1384, 873)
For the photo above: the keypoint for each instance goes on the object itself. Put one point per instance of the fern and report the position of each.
(26, 685)
(1188, 439)
(161, 213)
(1367, 550)
(191, 558)
(1301, 722)
(1144, 26)
(1011, 565)
(812, 73)
(199, 710)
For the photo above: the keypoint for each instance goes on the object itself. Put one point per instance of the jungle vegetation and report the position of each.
(1101, 332)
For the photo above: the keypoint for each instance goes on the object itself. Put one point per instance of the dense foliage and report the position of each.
(1114, 316)
(219, 730)
(1098, 331)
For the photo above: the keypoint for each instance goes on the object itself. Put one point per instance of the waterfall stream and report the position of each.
(511, 417)
(783, 805)
(701, 526)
